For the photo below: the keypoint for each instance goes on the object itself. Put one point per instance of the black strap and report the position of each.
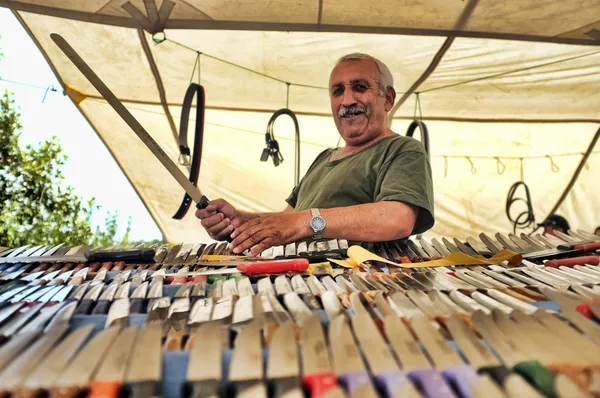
(184, 156)
(424, 132)
(272, 148)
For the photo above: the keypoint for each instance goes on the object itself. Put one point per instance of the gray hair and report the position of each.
(386, 80)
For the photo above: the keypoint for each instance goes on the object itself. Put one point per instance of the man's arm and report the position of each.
(371, 222)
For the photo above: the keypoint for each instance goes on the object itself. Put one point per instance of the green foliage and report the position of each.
(35, 206)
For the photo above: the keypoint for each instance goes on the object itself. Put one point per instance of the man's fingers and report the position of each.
(213, 220)
(224, 234)
(248, 239)
(240, 229)
(219, 227)
(261, 247)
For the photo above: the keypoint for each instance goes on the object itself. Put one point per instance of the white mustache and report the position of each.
(350, 110)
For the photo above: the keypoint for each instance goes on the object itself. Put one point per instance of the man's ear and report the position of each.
(390, 97)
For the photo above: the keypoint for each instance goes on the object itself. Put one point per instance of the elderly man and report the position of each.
(378, 187)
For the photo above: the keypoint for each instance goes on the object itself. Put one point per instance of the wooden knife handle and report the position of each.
(66, 392)
(431, 382)
(319, 383)
(538, 375)
(497, 373)
(286, 387)
(104, 389)
(143, 389)
(119, 265)
(462, 377)
(570, 262)
(76, 281)
(102, 307)
(202, 389)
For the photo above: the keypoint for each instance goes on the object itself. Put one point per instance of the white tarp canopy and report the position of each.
(516, 95)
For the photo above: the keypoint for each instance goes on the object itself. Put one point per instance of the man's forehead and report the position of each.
(354, 70)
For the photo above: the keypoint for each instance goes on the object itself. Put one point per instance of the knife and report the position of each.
(246, 367)
(175, 326)
(317, 374)
(19, 320)
(138, 299)
(14, 348)
(388, 377)
(283, 369)
(145, 368)
(111, 373)
(139, 278)
(118, 315)
(347, 362)
(39, 323)
(204, 366)
(13, 374)
(43, 377)
(200, 313)
(78, 373)
(105, 300)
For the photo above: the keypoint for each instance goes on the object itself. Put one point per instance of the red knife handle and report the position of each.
(589, 247)
(274, 267)
(319, 383)
(570, 262)
(177, 280)
(584, 308)
(198, 279)
(104, 389)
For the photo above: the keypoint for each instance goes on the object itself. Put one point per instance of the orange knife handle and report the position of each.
(570, 262)
(590, 247)
(104, 389)
(319, 383)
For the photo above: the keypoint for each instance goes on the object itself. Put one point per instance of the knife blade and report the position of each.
(283, 368)
(138, 299)
(347, 362)
(14, 348)
(246, 368)
(105, 300)
(111, 373)
(144, 373)
(44, 375)
(318, 376)
(204, 366)
(118, 315)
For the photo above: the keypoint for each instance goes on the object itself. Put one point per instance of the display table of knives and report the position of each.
(194, 320)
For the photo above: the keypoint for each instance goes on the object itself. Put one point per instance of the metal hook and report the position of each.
(473, 169)
(501, 167)
(159, 37)
(49, 88)
(553, 166)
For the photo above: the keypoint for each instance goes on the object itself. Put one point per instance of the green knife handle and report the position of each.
(144, 389)
(85, 307)
(537, 375)
(202, 389)
(137, 306)
(102, 307)
(283, 386)
(497, 373)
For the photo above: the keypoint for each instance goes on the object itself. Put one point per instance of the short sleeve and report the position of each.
(406, 178)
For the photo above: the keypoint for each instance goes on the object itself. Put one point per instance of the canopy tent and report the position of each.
(516, 95)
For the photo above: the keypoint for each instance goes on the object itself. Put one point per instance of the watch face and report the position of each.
(318, 223)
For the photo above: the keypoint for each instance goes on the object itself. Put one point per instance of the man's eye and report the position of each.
(360, 88)
(337, 92)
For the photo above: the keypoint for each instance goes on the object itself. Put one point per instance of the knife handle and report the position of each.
(177, 280)
(85, 307)
(102, 307)
(311, 301)
(352, 381)
(319, 383)
(104, 389)
(137, 306)
(66, 392)
(431, 382)
(287, 386)
(119, 265)
(570, 262)
(497, 373)
(143, 389)
(274, 267)
(588, 247)
(538, 375)
(391, 382)
(462, 377)
(202, 389)
(202, 205)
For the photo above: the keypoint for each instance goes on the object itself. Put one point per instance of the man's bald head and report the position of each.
(385, 76)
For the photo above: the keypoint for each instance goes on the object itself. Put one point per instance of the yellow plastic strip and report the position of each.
(220, 257)
(359, 255)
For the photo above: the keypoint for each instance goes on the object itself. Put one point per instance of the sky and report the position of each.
(90, 168)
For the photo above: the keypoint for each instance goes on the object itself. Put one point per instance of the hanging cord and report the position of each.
(420, 124)
(526, 218)
(272, 148)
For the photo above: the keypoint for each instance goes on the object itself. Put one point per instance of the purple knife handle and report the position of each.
(462, 377)
(391, 382)
(431, 382)
(351, 381)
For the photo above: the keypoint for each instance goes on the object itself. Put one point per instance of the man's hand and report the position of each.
(269, 230)
(219, 219)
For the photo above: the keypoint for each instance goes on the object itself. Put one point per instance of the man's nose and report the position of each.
(348, 98)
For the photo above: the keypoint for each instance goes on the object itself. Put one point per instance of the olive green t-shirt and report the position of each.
(395, 168)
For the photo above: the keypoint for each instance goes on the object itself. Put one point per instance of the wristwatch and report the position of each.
(317, 223)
